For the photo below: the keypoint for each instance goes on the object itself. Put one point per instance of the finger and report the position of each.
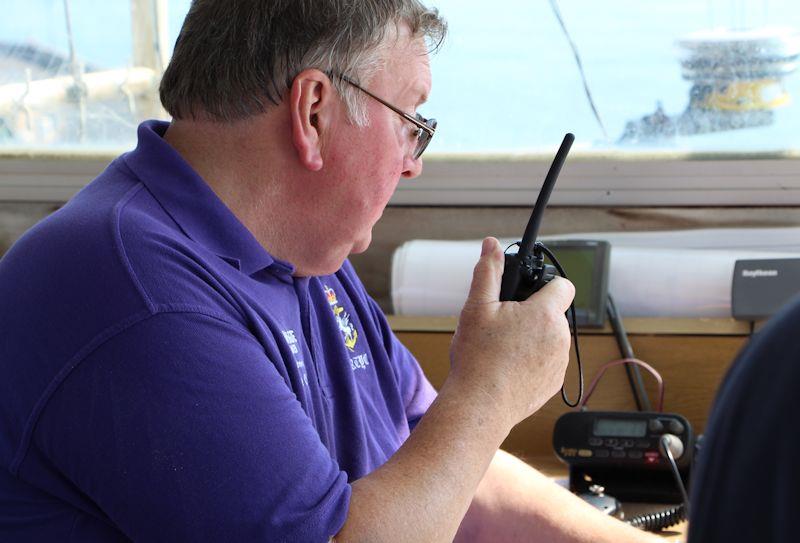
(559, 291)
(488, 273)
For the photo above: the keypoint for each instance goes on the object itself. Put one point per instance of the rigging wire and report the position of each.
(79, 88)
(557, 13)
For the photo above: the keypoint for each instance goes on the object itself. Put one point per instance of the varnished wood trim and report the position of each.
(702, 327)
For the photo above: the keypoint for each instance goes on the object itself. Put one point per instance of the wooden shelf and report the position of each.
(634, 326)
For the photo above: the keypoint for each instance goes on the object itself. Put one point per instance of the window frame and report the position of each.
(658, 180)
(496, 180)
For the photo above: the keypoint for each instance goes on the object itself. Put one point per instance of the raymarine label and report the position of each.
(759, 273)
(761, 287)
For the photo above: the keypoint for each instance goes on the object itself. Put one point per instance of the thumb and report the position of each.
(488, 274)
(559, 291)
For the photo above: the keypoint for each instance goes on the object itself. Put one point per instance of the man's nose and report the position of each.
(412, 167)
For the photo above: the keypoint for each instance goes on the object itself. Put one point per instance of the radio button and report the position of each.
(595, 441)
(643, 444)
(674, 444)
(656, 426)
(636, 455)
(675, 427)
(617, 454)
(652, 457)
(584, 453)
(627, 443)
(612, 442)
(601, 453)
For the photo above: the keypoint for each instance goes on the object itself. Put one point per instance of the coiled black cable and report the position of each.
(659, 520)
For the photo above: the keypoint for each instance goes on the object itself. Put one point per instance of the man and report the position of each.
(188, 356)
(745, 487)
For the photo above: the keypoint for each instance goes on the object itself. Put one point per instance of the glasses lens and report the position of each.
(424, 137)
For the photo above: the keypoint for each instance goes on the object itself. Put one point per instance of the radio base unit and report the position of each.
(622, 452)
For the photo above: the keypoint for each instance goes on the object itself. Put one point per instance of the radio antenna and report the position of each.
(532, 230)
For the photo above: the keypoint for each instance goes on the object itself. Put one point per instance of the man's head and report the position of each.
(318, 95)
(235, 58)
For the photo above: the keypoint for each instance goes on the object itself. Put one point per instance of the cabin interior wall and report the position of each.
(403, 223)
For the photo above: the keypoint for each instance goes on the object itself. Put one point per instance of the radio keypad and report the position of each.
(632, 448)
(610, 447)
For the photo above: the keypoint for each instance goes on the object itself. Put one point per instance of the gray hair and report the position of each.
(234, 58)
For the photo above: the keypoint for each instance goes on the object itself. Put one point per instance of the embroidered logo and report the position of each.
(291, 340)
(349, 332)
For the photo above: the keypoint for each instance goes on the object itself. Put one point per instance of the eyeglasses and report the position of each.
(426, 128)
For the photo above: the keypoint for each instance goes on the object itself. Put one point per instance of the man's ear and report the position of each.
(310, 100)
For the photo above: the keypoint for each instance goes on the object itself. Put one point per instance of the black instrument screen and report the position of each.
(620, 428)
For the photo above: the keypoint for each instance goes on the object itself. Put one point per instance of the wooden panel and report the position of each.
(692, 367)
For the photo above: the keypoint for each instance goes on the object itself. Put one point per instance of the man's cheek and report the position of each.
(382, 180)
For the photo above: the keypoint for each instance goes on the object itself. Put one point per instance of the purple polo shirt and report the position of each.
(163, 378)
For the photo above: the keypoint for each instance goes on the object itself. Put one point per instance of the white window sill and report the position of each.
(612, 180)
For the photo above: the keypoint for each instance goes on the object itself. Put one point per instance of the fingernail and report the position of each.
(486, 247)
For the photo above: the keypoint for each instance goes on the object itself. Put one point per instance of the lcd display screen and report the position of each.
(580, 264)
(586, 264)
(620, 428)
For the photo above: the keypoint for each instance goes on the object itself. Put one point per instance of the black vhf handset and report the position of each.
(526, 272)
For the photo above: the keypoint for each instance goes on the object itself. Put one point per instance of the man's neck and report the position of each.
(244, 166)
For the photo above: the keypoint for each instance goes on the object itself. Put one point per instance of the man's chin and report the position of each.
(362, 244)
(334, 262)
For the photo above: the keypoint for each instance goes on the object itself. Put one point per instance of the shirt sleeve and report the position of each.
(417, 392)
(181, 429)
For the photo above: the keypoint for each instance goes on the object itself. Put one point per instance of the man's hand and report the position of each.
(507, 360)
(514, 352)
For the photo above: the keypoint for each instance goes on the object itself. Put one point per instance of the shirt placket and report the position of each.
(324, 422)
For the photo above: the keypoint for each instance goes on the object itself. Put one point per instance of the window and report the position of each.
(696, 101)
(78, 76)
(710, 76)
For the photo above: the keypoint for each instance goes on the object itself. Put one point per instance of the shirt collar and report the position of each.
(193, 205)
